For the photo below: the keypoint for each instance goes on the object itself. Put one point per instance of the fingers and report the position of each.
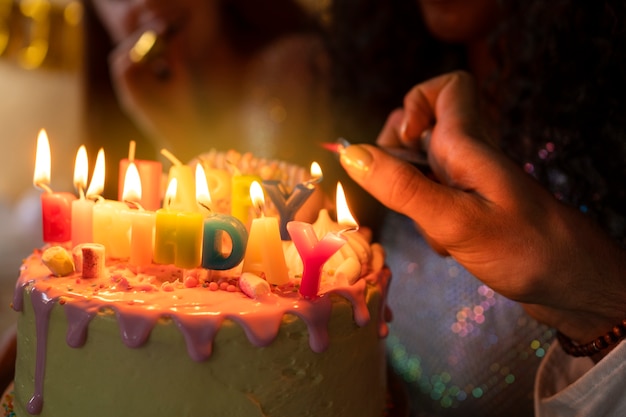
(398, 185)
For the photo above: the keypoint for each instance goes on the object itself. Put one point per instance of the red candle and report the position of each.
(56, 208)
(150, 174)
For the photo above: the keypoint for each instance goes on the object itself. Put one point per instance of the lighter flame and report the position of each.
(203, 196)
(96, 186)
(132, 184)
(81, 170)
(41, 177)
(344, 216)
(257, 197)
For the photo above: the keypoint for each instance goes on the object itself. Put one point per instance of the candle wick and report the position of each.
(44, 187)
(134, 204)
(205, 206)
(81, 192)
(170, 156)
(348, 230)
(235, 170)
(313, 181)
(131, 150)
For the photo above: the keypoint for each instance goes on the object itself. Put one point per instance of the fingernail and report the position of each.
(357, 157)
(403, 128)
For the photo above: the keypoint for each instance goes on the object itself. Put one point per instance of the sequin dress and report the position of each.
(460, 348)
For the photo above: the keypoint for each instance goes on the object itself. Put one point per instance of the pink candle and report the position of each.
(81, 208)
(56, 208)
(314, 254)
(142, 221)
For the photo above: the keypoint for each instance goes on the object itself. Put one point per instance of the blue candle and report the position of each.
(288, 203)
(213, 256)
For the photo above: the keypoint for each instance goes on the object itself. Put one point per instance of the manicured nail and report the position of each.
(357, 157)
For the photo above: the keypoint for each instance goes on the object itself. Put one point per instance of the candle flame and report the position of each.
(170, 193)
(41, 178)
(203, 196)
(81, 170)
(344, 216)
(132, 184)
(316, 170)
(96, 187)
(257, 197)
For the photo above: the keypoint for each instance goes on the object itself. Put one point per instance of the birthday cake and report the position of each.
(103, 336)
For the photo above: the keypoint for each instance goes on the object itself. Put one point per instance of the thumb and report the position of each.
(396, 184)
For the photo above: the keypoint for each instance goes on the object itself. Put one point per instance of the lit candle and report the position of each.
(288, 203)
(56, 208)
(110, 227)
(165, 228)
(314, 252)
(264, 251)
(142, 221)
(150, 173)
(178, 234)
(214, 256)
(240, 201)
(185, 198)
(82, 208)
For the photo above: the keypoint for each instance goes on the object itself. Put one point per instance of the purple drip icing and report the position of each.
(42, 306)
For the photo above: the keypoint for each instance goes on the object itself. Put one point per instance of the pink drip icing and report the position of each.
(197, 312)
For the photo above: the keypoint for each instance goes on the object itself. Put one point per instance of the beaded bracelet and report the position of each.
(611, 338)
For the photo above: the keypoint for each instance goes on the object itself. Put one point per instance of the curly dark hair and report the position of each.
(558, 86)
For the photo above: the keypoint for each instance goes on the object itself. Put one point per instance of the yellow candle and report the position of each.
(178, 234)
(111, 227)
(240, 202)
(264, 251)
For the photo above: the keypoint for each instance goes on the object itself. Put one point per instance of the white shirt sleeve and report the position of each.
(574, 387)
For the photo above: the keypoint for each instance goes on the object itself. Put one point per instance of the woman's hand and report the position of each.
(491, 216)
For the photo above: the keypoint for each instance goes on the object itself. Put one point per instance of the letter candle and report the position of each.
(240, 200)
(165, 228)
(288, 203)
(82, 208)
(109, 227)
(142, 221)
(56, 208)
(185, 198)
(264, 252)
(215, 225)
(178, 234)
(314, 252)
(150, 174)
